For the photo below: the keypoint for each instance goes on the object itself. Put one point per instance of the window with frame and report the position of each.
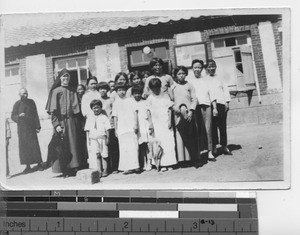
(78, 67)
(231, 41)
(12, 74)
(138, 60)
(12, 85)
(233, 55)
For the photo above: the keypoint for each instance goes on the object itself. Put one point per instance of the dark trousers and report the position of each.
(204, 125)
(219, 123)
(143, 150)
(113, 151)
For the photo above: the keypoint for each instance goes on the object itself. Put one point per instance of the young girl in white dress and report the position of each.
(144, 120)
(125, 122)
(160, 107)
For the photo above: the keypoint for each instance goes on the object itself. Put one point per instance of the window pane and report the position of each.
(61, 64)
(241, 40)
(161, 52)
(83, 76)
(81, 62)
(239, 66)
(136, 57)
(14, 71)
(148, 57)
(229, 42)
(74, 78)
(219, 43)
(71, 63)
(7, 72)
(237, 55)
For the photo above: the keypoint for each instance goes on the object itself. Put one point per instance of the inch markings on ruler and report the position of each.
(128, 212)
(129, 225)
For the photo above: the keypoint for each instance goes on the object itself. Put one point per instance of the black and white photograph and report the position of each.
(164, 99)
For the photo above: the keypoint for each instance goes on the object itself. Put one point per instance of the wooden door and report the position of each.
(225, 61)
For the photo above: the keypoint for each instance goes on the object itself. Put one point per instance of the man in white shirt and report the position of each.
(222, 95)
(204, 111)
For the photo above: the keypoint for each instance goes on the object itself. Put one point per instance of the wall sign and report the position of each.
(186, 53)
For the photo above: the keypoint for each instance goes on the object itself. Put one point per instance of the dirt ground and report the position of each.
(257, 156)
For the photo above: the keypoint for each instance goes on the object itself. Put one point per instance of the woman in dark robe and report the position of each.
(63, 105)
(80, 92)
(25, 115)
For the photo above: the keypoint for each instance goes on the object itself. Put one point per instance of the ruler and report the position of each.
(127, 212)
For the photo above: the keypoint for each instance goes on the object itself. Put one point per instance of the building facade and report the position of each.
(247, 49)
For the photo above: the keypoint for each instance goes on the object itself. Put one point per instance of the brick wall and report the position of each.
(137, 37)
(278, 44)
(92, 61)
(50, 71)
(22, 63)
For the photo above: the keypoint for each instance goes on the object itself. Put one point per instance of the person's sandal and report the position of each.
(164, 169)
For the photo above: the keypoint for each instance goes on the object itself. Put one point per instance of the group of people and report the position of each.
(137, 122)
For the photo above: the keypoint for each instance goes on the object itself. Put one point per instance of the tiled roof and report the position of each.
(30, 34)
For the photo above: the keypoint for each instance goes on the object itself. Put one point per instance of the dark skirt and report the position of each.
(29, 148)
(72, 136)
(186, 140)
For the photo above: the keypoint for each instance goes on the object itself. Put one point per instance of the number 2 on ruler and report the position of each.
(126, 224)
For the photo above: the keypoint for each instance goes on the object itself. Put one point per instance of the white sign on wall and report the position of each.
(36, 82)
(269, 55)
(107, 61)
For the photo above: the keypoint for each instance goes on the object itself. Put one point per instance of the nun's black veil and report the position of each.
(57, 83)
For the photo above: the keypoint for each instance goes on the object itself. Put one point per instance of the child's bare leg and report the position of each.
(99, 163)
(105, 167)
(149, 156)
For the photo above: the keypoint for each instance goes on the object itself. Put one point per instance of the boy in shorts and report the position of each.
(97, 126)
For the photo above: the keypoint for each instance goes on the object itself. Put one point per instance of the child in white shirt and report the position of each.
(144, 120)
(126, 129)
(97, 127)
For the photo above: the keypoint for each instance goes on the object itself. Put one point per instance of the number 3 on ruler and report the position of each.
(195, 225)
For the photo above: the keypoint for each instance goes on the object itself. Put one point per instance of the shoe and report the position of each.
(198, 164)
(70, 173)
(128, 172)
(211, 157)
(40, 167)
(27, 170)
(226, 151)
(164, 169)
(138, 170)
(215, 152)
(148, 167)
(45, 165)
(104, 174)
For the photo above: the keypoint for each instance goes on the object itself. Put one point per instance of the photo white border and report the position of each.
(277, 209)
